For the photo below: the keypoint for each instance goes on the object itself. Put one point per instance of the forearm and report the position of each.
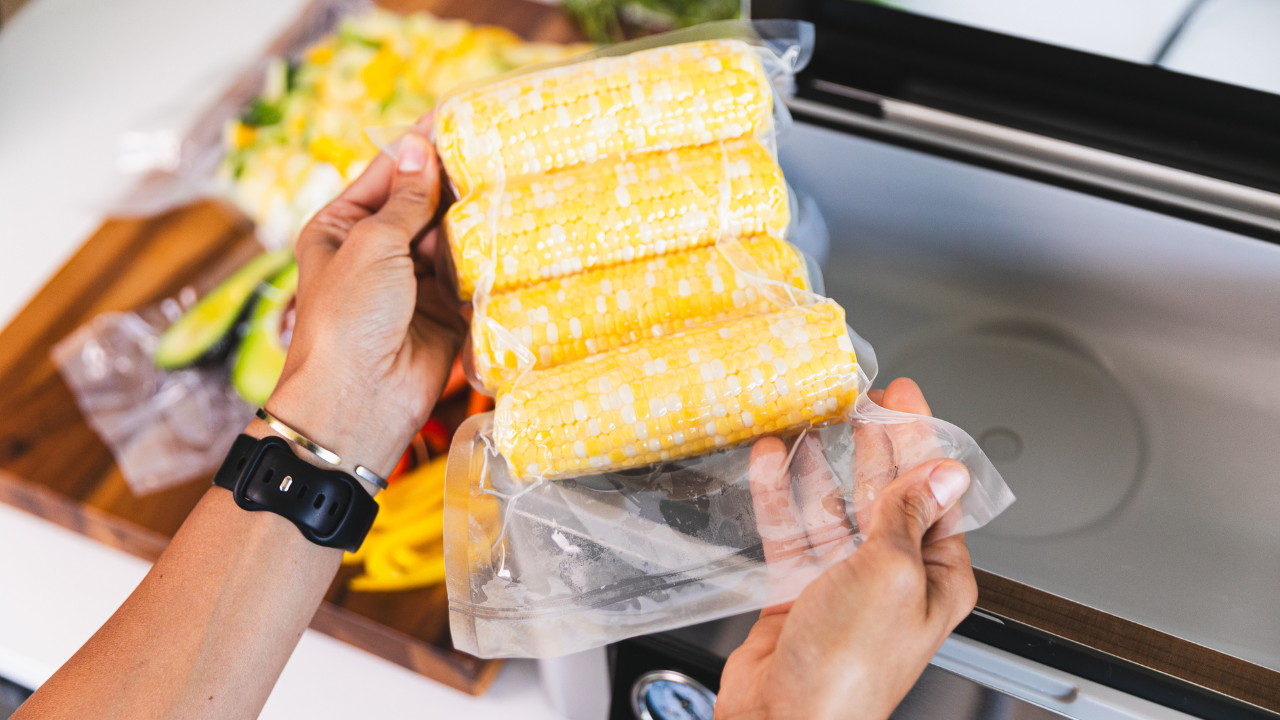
(209, 629)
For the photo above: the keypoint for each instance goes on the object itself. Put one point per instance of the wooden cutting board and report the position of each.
(54, 465)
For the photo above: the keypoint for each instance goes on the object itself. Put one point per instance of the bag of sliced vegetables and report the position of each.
(289, 134)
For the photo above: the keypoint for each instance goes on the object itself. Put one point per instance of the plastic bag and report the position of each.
(714, 165)
(627, 210)
(620, 233)
(179, 165)
(289, 134)
(546, 568)
(163, 428)
(296, 117)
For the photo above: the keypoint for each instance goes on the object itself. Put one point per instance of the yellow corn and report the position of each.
(680, 395)
(614, 211)
(659, 99)
(570, 318)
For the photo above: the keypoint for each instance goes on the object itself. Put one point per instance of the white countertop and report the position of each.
(74, 75)
(59, 586)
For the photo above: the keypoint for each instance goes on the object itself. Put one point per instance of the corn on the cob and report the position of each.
(680, 395)
(570, 318)
(659, 99)
(614, 211)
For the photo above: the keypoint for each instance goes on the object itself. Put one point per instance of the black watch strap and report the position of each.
(330, 507)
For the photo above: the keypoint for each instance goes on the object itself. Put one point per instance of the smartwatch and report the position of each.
(329, 507)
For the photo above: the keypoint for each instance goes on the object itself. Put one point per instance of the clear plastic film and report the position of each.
(621, 232)
(572, 176)
(288, 134)
(163, 427)
(544, 568)
(177, 161)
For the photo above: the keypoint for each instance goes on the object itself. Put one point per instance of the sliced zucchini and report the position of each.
(260, 358)
(205, 333)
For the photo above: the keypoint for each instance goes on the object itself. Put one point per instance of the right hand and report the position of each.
(378, 327)
(859, 635)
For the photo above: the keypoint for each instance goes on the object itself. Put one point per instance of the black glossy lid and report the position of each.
(1142, 111)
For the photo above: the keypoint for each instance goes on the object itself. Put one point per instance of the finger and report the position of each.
(914, 501)
(426, 252)
(371, 190)
(432, 257)
(951, 523)
(361, 199)
(903, 395)
(441, 307)
(469, 365)
(913, 442)
(874, 467)
(777, 517)
(414, 194)
(822, 508)
(874, 458)
(952, 588)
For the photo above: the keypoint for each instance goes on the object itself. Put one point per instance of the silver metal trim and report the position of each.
(643, 682)
(846, 91)
(371, 477)
(1046, 687)
(1100, 168)
(298, 438)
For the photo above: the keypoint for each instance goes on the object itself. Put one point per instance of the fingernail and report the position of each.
(413, 153)
(948, 482)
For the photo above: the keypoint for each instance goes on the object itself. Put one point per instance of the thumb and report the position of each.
(415, 189)
(912, 503)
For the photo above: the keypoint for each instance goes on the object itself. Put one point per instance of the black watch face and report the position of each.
(669, 695)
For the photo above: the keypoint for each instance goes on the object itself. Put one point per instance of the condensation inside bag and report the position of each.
(163, 428)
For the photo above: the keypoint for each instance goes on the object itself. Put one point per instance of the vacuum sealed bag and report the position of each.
(621, 231)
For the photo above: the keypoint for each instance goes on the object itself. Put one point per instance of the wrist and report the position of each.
(345, 415)
(345, 418)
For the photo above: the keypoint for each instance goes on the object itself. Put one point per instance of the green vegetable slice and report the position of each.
(260, 359)
(206, 331)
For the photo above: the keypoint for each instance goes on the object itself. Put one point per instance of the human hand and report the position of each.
(857, 638)
(377, 329)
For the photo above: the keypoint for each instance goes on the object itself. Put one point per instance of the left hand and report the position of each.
(377, 329)
(855, 640)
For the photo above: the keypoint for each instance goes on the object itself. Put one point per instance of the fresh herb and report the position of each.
(262, 113)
